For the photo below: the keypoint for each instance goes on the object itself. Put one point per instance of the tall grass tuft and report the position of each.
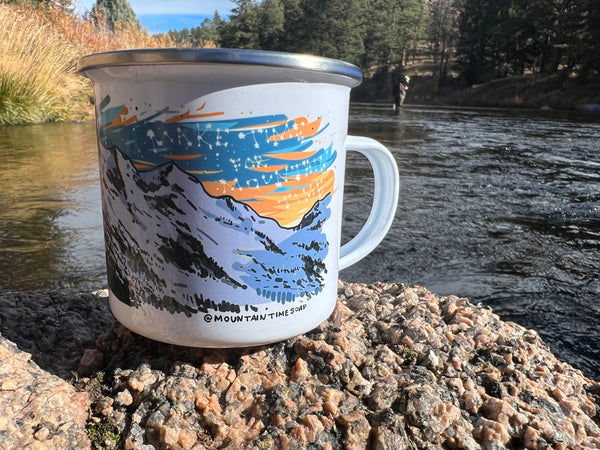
(39, 49)
(34, 62)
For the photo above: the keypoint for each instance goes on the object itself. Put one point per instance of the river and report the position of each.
(500, 206)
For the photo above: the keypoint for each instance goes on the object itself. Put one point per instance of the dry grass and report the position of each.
(35, 59)
(40, 49)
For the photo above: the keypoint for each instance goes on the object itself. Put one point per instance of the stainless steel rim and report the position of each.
(219, 56)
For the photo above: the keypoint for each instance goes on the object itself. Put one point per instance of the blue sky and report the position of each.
(159, 16)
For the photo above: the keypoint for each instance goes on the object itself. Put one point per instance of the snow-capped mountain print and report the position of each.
(205, 208)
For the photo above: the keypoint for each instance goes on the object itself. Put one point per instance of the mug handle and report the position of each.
(385, 200)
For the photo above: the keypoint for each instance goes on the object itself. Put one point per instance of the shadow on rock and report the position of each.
(55, 327)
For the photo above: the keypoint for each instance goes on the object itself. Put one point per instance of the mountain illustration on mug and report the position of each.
(178, 181)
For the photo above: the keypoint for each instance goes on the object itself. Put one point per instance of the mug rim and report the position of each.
(173, 56)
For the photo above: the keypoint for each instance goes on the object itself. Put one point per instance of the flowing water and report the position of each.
(50, 214)
(499, 206)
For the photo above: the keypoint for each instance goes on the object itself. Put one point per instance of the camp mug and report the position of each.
(222, 175)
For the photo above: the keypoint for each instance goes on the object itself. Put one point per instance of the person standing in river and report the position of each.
(399, 92)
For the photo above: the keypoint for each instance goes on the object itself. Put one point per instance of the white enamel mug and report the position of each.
(222, 177)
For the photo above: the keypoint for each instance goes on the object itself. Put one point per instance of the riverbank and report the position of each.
(394, 367)
(532, 92)
(529, 92)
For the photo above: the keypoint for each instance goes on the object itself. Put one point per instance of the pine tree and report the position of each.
(242, 29)
(334, 28)
(271, 20)
(478, 43)
(114, 12)
(591, 58)
(442, 35)
(393, 29)
(292, 35)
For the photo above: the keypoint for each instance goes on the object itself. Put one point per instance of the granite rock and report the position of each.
(38, 410)
(394, 367)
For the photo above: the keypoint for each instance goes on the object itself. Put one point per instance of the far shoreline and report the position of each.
(532, 92)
